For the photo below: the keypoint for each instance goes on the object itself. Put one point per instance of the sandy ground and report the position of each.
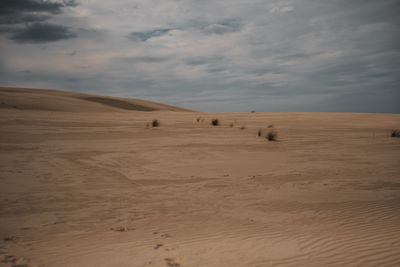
(102, 189)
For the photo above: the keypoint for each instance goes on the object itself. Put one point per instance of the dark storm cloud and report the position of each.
(146, 35)
(20, 11)
(8, 7)
(42, 33)
(23, 18)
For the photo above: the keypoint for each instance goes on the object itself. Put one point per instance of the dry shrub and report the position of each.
(395, 133)
(272, 136)
(215, 122)
(155, 123)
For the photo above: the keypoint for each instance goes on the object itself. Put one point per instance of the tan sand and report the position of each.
(86, 183)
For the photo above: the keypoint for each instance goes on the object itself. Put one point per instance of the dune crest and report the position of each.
(55, 100)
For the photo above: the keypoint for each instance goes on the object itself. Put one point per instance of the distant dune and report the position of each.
(54, 100)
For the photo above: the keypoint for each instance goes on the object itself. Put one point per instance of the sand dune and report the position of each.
(53, 100)
(100, 188)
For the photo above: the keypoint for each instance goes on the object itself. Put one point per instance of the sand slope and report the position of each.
(80, 189)
(53, 100)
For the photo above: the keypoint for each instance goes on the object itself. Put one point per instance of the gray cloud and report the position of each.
(266, 55)
(146, 35)
(42, 33)
(202, 60)
(219, 29)
(132, 61)
(223, 27)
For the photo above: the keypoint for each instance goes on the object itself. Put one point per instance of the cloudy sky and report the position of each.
(210, 55)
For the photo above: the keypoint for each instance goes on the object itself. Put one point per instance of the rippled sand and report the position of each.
(97, 187)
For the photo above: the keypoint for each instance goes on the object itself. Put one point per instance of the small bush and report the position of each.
(242, 127)
(231, 125)
(155, 123)
(215, 122)
(271, 126)
(395, 133)
(198, 119)
(272, 136)
(253, 111)
(259, 133)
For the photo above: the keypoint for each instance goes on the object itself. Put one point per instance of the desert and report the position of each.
(87, 181)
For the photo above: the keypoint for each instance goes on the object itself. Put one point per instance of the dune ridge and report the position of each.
(56, 100)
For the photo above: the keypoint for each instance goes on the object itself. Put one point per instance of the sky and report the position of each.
(210, 55)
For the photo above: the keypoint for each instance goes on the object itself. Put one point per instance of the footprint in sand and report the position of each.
(165, 235)
(122, 229)
(10, 239)
(9, 259)
(158, 246)
(171, 262)
(161, 235)
(16, 262)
